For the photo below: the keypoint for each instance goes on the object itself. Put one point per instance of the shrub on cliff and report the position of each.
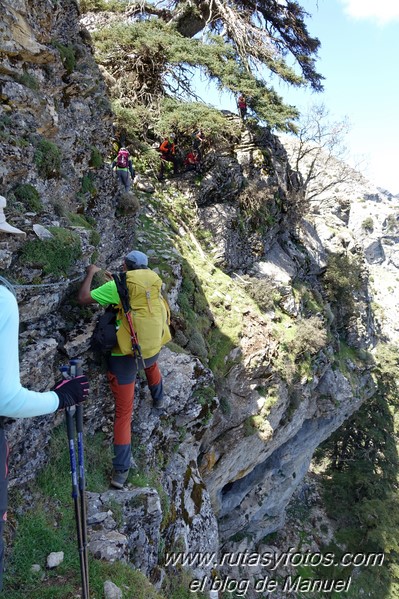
(68, 56)
(343, 277)
(101, 5)
(54, 256)
(48, 159)
(29, 197)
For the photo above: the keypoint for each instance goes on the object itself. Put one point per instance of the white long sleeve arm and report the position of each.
(17, 401)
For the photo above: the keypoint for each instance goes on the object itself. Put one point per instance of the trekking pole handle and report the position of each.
(64, 372)
(75, 367)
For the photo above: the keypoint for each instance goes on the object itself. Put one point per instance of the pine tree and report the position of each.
(153, 50)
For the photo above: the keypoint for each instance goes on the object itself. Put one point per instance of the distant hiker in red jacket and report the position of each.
(192, 161)
(242, 106)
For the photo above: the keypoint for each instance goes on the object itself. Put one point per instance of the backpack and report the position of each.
(149, 317)
(104, 338)
(122, 159)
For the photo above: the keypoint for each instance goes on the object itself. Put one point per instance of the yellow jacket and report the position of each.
(150, 314)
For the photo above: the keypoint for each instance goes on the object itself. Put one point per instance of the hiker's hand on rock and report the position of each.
(108, 275)
(71, 392)
(93, 269)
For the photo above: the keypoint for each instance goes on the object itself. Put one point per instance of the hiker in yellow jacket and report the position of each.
(150, 316)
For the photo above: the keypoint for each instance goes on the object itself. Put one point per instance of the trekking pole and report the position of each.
(135, 342)
(120, 281)
(70, 414)
(76, 370)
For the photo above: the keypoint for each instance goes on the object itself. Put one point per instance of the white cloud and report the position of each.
(383, 11)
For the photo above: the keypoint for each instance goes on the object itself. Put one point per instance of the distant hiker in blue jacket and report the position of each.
(17, 401)
(124, 165)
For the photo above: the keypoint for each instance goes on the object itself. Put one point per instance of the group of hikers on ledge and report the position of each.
(139, 329)
(169, 151)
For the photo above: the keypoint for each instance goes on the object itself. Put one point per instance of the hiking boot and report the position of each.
(118, 478)
(158, 403)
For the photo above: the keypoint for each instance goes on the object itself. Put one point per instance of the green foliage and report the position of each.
(311, 300)
(310, 337)
(342, 280)
(387, 360)
(300, 341)
(196, 344)
(219, 347)
(391, 223)
(38, 524)
(205, 395)
(5, 124)
(183, 118)
(195, 341)
(137, 121)
(225, 405)
(68, 56)
(55, 256)
(29, 80)
(5, 121)
(29, 196)
(102, 5)
(88, 185)
(96, 160)
(47, 159)
(128, 203)
(368, 224)
(194, 310)
(95, 237)
(79, 220)
(254, 210)
(143, 126)
(342, 277)
(177, 587)
(360, 481)
(264, 292)
(50, 526)
(162, 48)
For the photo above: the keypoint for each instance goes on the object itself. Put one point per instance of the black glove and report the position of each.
(71, 392)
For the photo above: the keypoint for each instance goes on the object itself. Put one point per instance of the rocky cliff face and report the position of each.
(260, 375)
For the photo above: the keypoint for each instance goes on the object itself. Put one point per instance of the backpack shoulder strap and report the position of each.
(121, 287)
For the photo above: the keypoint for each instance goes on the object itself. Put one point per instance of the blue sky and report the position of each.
(358, 57)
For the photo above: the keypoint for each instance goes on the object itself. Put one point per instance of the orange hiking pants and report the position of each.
(122, 372)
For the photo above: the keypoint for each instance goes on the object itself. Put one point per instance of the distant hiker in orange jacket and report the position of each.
(168, 154)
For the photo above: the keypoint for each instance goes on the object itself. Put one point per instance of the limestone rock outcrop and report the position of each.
(258, 378)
